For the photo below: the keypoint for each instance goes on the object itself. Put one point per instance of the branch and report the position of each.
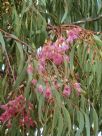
(89, 19)
(58, 29)
(8, 35)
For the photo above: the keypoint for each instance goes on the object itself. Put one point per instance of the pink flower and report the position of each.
(4, 107)
(60, 40)
(71, 38)
(41, 65)
(48, 93)
(9, 124)
(66, 58)
(57, 59)
(64, 47)
(26, 121)
(73, 34)
(34, 81)
(66, 91)
(5, 116)
(30, 69)
(52, 51)
(13, 108)
(77, 87)
(41, 68)
(40, 89)
(57, 85)
(30, 106)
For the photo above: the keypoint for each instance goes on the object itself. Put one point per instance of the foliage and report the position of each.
(56, 89)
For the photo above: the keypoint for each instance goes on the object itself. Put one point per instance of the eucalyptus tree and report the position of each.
(55, 89)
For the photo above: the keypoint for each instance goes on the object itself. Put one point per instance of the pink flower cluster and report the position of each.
(26, 120)
(73, 34)
(54, 52)
(66, 91)
(17, 108)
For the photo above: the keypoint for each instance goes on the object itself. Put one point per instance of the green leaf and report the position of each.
(55, 119)
(60, 125)
(66, 11)
(72, 59)
(2, 42)
(67, 119)
(20, 78)
(40, 105)
(98, 41)
(57, 96)
(98, 72)
(20, 57)
(80, 119)
(95, 121)
(87, 124)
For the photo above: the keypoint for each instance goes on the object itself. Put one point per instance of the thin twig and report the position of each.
(8, 35)
(10, 65)
(63, 27)
(89, 19)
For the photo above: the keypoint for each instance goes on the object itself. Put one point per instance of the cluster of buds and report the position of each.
(17, 109)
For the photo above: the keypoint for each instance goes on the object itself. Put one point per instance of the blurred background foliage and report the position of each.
(23, 28)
